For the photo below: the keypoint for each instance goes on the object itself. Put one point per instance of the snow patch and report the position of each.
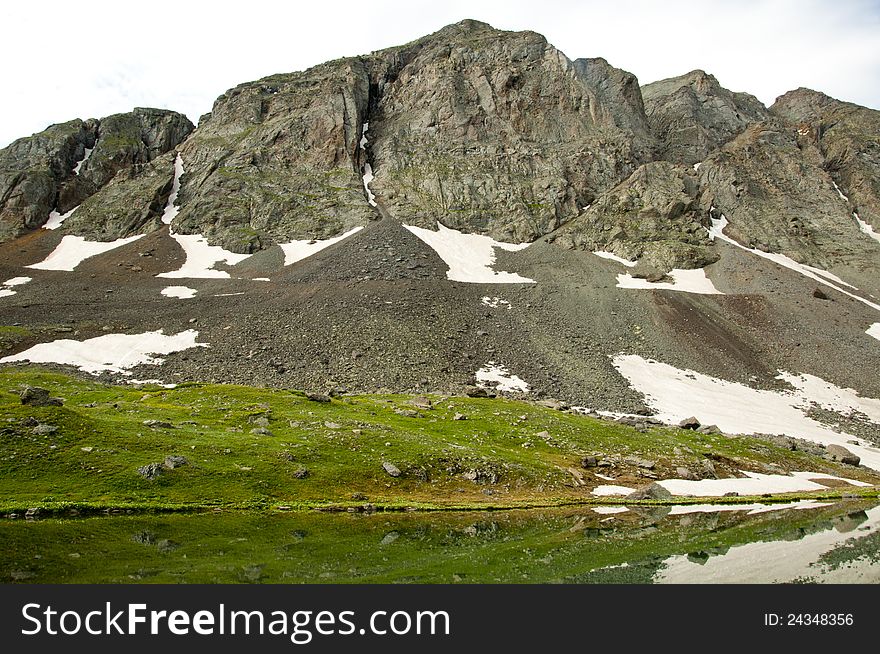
(17, 281)
(494, 302)
(73, 250)
(111, 352)
(171, 210)
(738, 409)
(753, 509)
(614, 257)
(201, 259)
(56, 219)
(496, 376)
(299, 250)
(609, 510)
(816, 274)
(697, 165)
(686, 281)
(754, 483)
(469, 256)
(181, 292)
(6, 292)
(79, 164)
(874, 330)
(607, 490)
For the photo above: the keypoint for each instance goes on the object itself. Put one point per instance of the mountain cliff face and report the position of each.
(428, 216)
(59, 168)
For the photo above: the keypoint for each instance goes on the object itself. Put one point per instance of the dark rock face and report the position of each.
(498, 132)
(51, 169)
(693, 115)
(848, 137)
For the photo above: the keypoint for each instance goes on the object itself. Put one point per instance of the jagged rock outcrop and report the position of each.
(278, 159)
(778, 198)
(500, 133)
(693, 115)
(65, 164)
(652, 216)
(848, 137)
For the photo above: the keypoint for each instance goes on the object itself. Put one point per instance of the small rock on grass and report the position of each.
(35, 396)
(391, 469)
(317, 397)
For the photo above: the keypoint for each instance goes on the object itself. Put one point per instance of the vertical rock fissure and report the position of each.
(367, 167)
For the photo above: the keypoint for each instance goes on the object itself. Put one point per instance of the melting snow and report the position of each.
(697, 165)
(816, 274)
(182, 292)
(874, 330)
(368, 169)
(56, 219)
(299, 250)
(17, 281)
(738, 409)
(6, 292)
(171, 210)
(777, 561)
(865, 228)
(614, 257)
(469, 256)
(79, 164)
(201, 258)
(687, 281)
(608, 490)
(73, 250)
(499, 377)
(111, 352)
(494, 302)
(754, 483)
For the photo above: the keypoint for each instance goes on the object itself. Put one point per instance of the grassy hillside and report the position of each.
(267, 448)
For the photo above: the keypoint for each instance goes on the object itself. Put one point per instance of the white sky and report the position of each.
(89, 58)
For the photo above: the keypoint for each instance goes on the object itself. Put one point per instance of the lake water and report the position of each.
(834, 543)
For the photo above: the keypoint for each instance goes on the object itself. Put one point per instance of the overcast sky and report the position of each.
(91, 58)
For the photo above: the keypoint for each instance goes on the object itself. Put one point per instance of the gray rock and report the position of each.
(650, 492)
(158, 424)
(421, 402)
(391, 469)
(840, 453)
(44, 429)
(175, 461)
(589, 461)
(151, 470)
(640, 462)
(459, 416)
(301, 473)
(261, 431)
(690, 423)
(317, 397)
(35, 396)
(685, 473)
(709, 429)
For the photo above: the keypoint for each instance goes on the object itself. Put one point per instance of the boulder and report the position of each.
(840, 453)
(391, 469)
(35, 396)
(650, 492)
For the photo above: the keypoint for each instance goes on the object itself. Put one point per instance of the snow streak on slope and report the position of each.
(864, 227)
(79, 164)
(779, 561)
(111, 352)
(469, 256)
(874, 330)
(613, 257)
(368, 169)
(816, 274)
(738, 409)
(686, 281)
(171, 210)
(73, 250)
(299, 250)
(56, 219)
